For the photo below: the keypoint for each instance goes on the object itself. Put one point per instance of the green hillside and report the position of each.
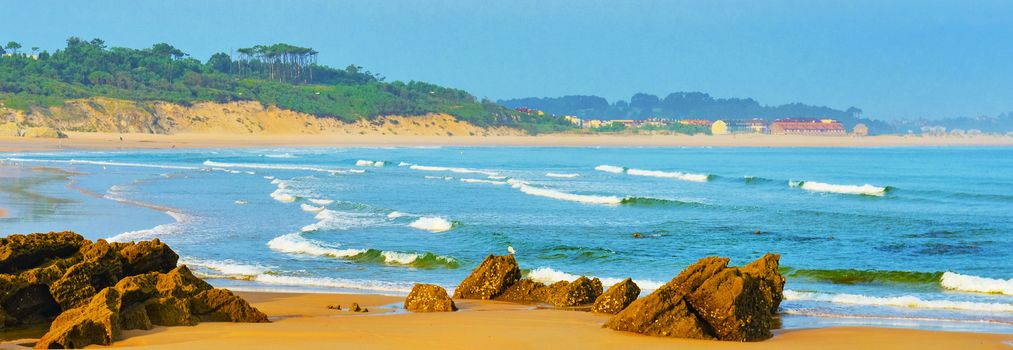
(282, 75)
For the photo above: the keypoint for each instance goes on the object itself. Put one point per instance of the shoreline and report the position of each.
(111, 141)
(302, 320)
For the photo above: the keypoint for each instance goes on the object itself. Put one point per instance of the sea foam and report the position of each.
(295, 243)
(103, 163)
(281, 167)
(483, 181)
(669, 175)
(453, 170)
(549, 193)
(432, 224)
(969, 283)
(223, 268)
(867, 189)
(565, 176)
(369, 163)
(898, 301)
(328, 282)
(158, 231)
(610, 169)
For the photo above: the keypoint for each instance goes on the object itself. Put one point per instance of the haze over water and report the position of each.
(889, 236)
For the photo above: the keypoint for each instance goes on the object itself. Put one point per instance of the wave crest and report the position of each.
(866, 189)
(898, 301)
(432, 224)
(969, 283)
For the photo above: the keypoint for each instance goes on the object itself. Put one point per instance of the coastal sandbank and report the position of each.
(302, 321)
(111, 141)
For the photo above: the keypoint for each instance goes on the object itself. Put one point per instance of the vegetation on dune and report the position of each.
(281, 75)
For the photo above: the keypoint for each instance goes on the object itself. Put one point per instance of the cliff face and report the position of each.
(122, 116)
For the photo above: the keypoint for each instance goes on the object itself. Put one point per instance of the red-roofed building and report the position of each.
(798, 126)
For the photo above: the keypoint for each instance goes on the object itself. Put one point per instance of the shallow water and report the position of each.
(897, 236)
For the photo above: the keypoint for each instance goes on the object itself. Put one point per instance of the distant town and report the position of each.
(784, 126)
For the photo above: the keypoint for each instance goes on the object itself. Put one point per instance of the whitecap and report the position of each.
(432, 224)
(453, 170)
(610, 169)
(548, 193)
(279, 167)
(396, 214)
(295, 243)
(241, 202)
(369, 163)
(282, 155)
(321, 201)
(866, 189)
(669, 175)
(561, 175)
(222, 268)
(970, 283)
(310, 208)
(155, 232)
(481, 181)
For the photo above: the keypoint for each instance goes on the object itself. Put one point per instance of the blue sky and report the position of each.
(893, 59)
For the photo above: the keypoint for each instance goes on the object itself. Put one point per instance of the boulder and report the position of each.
(429, 298)
(21, 252)
(709, 300)
(581, 291)
(616, 298)
(525, 291)
(94, 323)
(489, 279)
(176, 298)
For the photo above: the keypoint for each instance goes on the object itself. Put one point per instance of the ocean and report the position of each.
(897, 237)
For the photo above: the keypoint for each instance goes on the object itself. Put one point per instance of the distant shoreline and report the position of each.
(111, 141)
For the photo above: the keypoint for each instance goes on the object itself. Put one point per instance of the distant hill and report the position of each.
(689, 105)
(37, 83)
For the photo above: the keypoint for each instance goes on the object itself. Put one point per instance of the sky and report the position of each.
(893, 59)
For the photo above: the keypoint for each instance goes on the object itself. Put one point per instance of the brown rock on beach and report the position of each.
(710, 300)
(429, 298)
(616, 298)
(493, 276)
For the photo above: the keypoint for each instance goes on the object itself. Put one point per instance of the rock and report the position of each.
(710, 300)
(489, 279)
(616, 298)
(176, 298)
(21, 252)
(94, 323)
(354, 308)
(96, 289)
(525, 291)
(581, 291)
(429, 298)
(334, 307)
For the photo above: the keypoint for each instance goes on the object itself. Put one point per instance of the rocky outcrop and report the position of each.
(616, 298)
(489, 279)
(710, 300)
(96, 289)
(176, 298)
(499, 278)
(429, 298)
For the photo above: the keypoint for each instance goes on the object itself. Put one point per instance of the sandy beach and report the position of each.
(302, 321)
(108, 141)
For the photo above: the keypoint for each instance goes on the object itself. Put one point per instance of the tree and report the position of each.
(220, 62)
(13, 46)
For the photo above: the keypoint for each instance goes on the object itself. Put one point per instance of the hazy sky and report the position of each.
(891, 58)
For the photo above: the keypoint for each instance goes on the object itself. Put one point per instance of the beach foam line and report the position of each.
(669, 175)
(372, 163)
(282, 167)
(174, 227)
(610, 169)
(451, 169)
(970, 283)
(319, 201)
(562, 175)
(549, 275)
(483, 181)
(223, 268)
(296, 243)
(104, 163)
(812, 186)
(431, 224)
(907, 301)
(330, 282)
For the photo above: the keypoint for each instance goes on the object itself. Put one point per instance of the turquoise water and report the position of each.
(892, 236)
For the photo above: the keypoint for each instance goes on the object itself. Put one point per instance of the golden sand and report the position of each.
(302, 321)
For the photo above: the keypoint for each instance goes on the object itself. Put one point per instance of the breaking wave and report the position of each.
(282, 155)
(310, 208)
(560, 175)
(481, 181)
(854, 276)
(654, 202)
(321, 201)
(669, 175)
(969, 283)
(899, 301)
(295, 243)
(610, 169)
(432, 224)
(866, 190)
(369, 163)
(339, 220)
(548, 275)
(453, 170)
(580, 198)
(223, 269)
(328, 282)
(281, 167)
(154, 232)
